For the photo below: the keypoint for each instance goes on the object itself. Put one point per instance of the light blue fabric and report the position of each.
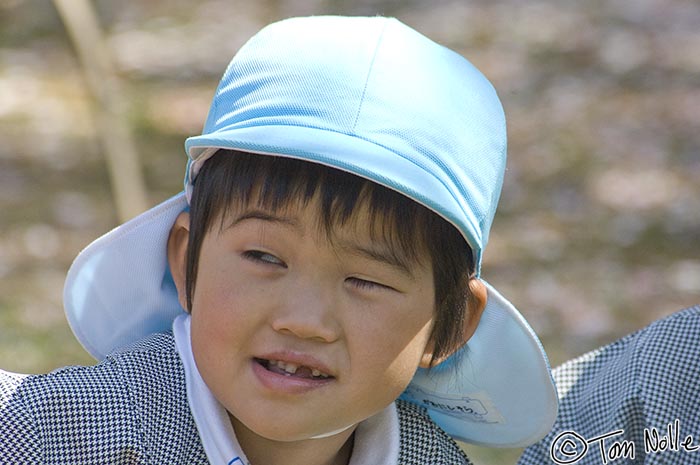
(373, 97)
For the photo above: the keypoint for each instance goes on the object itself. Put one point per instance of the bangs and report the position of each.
(237, 180)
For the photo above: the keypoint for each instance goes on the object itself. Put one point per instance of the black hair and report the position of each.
(233, 179)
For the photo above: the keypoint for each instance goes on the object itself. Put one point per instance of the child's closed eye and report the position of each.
(365, 284)
(263, 257)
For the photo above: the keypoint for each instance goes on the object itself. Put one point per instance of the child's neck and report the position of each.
(333, 450)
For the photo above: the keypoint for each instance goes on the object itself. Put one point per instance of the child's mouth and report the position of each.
(293, 370)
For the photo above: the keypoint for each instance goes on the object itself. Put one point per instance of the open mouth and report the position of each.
(293, 370)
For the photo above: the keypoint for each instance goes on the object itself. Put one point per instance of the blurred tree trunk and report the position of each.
(115, 136)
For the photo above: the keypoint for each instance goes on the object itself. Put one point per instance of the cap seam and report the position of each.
(369, 73)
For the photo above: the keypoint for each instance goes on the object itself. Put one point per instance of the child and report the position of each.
(323, 261)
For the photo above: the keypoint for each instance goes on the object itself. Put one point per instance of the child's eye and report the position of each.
(263, 257)
(367, 285)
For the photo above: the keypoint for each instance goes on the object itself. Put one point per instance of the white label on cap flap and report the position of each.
(476, 407)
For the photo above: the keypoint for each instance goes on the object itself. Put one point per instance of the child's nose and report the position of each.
(309, 312)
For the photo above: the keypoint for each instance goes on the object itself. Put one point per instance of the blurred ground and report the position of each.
(599, 225)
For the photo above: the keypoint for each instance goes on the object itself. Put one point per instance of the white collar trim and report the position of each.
(215, 430)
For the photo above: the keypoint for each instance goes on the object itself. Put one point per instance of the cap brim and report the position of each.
(498, 389)
(411, 177)
(119, 289)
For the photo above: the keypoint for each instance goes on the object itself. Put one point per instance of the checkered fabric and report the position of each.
(643, 390)
(129, 409)
(422, 442)
(132, 409)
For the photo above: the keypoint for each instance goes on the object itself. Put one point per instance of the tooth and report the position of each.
(315, 372)
(291, 368)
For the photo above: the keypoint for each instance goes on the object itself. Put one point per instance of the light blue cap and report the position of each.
(373, 97)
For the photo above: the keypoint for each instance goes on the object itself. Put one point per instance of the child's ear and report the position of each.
(177, 254)
(475, 308)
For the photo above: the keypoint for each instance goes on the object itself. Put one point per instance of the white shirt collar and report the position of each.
(215, 430)
(376, 439)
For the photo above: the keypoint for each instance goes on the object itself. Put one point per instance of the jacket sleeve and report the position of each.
(19, 438)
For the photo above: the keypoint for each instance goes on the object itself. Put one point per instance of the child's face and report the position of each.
(273, 295)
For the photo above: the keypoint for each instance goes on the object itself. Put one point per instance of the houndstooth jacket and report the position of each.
(637, 390)
(132, 409)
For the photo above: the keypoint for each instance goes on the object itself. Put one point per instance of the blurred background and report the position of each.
(598, 230)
